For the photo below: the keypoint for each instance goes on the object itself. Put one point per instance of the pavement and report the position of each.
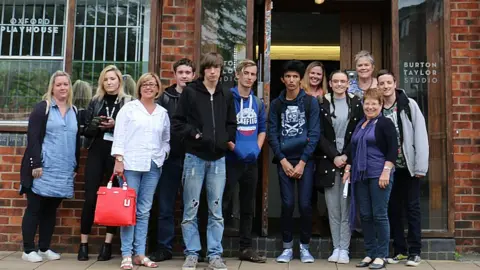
(12, 260)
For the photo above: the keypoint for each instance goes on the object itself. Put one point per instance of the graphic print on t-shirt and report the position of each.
(247, 121)
(292, 121)
(391, 113)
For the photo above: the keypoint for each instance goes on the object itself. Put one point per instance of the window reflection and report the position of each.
(422, 76)
(224, 30)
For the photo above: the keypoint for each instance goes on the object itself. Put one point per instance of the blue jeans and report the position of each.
(195, 171)
(287, 193)
(134, 238)
(167, 190)
(373, 204)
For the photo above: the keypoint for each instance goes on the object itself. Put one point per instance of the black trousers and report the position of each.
(41, 212)
(405, 196)
(247, 176)
(98, 169)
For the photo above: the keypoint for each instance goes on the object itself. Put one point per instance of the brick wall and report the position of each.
(177, 42)
(465, 44)
(178, 28)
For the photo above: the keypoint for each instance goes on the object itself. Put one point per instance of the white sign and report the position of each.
(29, 25)
(420, 72)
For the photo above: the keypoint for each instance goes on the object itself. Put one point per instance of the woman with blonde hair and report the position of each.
(99, 124)
(140, 146)
(82, 94)
(365, 66)
(49, 165)
(129, 85)
(313, 82)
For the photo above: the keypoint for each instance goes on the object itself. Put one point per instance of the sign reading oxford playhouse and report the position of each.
(29, 25)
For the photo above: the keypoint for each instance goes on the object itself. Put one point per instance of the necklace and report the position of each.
(371, 82)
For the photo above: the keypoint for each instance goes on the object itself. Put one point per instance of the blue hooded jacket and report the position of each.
(292, 133)
(251, 121)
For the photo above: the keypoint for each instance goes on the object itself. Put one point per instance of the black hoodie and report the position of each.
(212, 116)
(169, 100)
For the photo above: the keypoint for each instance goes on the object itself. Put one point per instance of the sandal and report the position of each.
(145, 262)
(126, 263)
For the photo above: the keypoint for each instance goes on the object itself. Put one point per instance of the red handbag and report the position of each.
(116, 206)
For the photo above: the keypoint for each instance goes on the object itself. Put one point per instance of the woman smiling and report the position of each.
(373, 154)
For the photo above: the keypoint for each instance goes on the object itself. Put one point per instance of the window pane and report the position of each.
(28, 24)
(119, 42)
(224, 29)
(23, 84)
(422, 76)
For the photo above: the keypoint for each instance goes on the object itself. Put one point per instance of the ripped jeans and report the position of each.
(195, 171)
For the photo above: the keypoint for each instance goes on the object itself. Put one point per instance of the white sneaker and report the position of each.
(334, 257)
(49, 255)
(32, 257)
(343, 257)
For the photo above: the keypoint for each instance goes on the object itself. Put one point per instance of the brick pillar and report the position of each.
(465, 51)
(178, 28)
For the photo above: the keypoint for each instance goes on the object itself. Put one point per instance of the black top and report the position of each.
(111, 106)
(326, 148)
(212, 116)
(385, 139)
(169, 100)
(32, 158)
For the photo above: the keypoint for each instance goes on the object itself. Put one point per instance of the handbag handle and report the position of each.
(110, 182)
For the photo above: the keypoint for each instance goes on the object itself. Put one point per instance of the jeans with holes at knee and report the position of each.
(197, 172)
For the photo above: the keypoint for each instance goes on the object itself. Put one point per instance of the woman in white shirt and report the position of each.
(140, 146)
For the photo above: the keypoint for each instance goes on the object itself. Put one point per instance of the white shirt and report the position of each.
(141, 137)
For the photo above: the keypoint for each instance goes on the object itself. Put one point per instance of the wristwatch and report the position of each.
(119, 158)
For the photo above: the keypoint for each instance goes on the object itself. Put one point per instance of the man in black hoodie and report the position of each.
(169, 182)
(205, 120)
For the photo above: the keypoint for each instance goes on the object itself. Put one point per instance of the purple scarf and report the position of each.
(359, 160)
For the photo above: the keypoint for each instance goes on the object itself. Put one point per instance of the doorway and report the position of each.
(331, 33)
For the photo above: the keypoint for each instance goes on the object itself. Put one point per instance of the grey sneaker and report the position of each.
(216, 263)
(190, 263)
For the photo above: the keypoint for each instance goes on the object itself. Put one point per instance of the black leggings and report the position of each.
(41, 212)
(98, 170)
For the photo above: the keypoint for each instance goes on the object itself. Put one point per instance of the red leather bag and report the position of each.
(116, 206)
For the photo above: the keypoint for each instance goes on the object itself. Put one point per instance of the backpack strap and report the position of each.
(408, 111)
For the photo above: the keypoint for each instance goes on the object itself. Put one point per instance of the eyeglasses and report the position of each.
(149, 85)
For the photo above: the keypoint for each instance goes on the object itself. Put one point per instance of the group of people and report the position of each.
(365, 148)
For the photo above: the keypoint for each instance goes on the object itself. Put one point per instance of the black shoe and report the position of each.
(363, 263)
(105, 252)
(251, 256)
(377, 266)
(83, 252)
(161, 255)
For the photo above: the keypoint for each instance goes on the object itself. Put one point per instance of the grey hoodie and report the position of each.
(414, 133)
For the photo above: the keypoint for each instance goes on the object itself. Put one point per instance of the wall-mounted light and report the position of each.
(319, 2)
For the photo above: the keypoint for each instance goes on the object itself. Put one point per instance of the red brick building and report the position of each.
(433, 46)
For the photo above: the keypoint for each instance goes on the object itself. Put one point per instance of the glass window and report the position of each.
(31, 48)
(224, 30)
(111, 32)
(422, 75)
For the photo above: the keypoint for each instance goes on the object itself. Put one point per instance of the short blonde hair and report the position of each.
(49, 94)
(101, 90)
(373, 93)
(145, 77)
(82, 94)
(244, 64)
(365, 54)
